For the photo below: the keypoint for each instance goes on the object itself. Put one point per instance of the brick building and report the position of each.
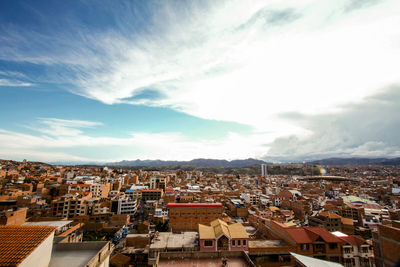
(386, 242)
(187, 216)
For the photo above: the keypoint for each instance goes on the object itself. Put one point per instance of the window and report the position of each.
(233, 243)
(208, 243)
(244, 243)
(304, 247)
(332, 246)
(239, 243)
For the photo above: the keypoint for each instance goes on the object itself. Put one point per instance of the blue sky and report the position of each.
(105, 81)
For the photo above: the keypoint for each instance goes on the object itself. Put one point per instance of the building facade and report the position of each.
(187, 216)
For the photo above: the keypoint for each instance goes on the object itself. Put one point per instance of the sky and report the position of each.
(278, 80)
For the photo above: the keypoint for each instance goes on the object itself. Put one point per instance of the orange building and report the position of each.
(187, 216)
(386, 241)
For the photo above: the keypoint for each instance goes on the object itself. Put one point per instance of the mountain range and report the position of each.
(251, 161)
(194, 162)
(357, 161)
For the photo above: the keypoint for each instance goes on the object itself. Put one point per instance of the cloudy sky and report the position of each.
(276, 79)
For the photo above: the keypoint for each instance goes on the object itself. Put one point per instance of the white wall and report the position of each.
(40, 257)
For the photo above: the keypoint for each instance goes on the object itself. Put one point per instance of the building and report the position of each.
(252, 199)
(69, 205)
(316, 242)
(157, 182)
(386, 242)
(26, 246)
(329, 220)
(151, 194)
(264, 171)
(221, 236)
(124, 206)
(187, 216)
(65, 231)
(356, 251)
(94, 206)
(13, 216)
(88, 254)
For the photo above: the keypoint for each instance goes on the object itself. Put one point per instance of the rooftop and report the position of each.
(17, 242)
(77, 254)
(58, 224)
(219, 227)
(267, 243)
(172, 241)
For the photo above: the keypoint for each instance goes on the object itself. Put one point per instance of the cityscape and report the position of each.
(286, 215)
(200, 133)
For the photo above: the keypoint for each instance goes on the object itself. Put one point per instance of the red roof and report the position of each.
(311, 234)
(17, 242)
(301, 236)
(353, 240)
(194, 205)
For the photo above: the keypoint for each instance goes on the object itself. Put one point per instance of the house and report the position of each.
(355, 251)
(221, 236)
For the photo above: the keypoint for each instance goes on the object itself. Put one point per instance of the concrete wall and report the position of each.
(206, 255)
(40, 257)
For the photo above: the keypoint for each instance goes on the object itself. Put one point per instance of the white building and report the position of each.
(124, 206)
(264, 171)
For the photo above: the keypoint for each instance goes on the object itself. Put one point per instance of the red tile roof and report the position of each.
(305, 235)
(17, 242)
(329, 214)
(301, 236)
(353, 240)
(324, 234)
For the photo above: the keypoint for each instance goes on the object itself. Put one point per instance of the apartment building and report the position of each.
(94, 206)
(187, 216)
(151, 194)
(252, 199)
(124, 206)
(69, 205)
(157, 182)
(329, 220)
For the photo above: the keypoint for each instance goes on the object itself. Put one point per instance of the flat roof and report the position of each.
(267, 243)
(75, 254)
(174, 241)
(71, 257)
(58, 224)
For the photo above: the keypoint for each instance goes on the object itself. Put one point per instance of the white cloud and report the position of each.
(231, 61)
(366, 129)
(138, 145)
(60, 127)
(243, 68)
(13, 83)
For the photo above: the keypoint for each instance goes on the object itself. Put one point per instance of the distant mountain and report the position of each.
(357, 161)
(194, 162)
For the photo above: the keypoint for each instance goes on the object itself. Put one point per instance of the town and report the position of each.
(286, 215)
